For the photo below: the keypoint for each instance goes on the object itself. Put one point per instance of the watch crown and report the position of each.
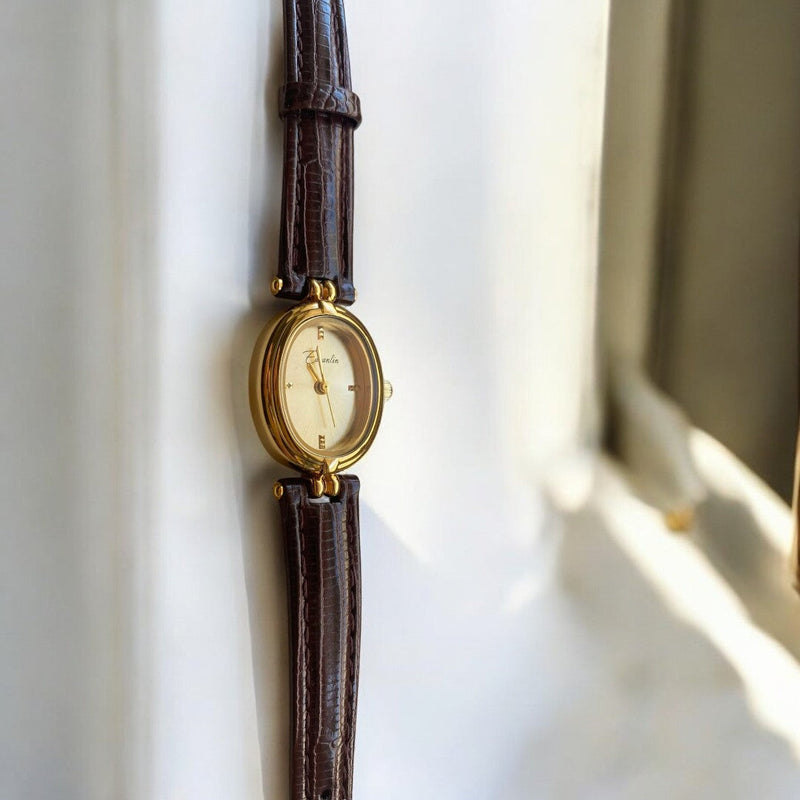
(388, 391)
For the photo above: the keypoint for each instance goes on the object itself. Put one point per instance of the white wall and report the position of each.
(59, 462)
(468, 215)
(143, 601)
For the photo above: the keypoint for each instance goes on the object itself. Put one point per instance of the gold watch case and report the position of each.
(272, 422)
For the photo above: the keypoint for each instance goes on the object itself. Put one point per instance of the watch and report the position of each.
(317, 393)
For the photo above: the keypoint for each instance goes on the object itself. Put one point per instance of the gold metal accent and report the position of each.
(330, 482)
(680, 520)
(314, 290)
(271, 422)
(276, 285)
(320, 333)
(325, 482)
(332, 486)
(388, 391)
(329, 292)
(321, 441)
(277, 490)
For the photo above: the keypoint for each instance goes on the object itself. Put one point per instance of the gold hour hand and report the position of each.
(325, 387)
(313, 372)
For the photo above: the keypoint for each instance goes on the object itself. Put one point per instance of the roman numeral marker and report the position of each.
(321, 442)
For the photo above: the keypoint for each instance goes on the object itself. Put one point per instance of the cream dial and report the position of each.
(328, 386)
(317, 388)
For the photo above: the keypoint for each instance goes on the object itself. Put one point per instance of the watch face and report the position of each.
(328, 385)
(316, 387)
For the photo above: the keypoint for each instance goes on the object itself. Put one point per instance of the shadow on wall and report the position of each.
(262, 542)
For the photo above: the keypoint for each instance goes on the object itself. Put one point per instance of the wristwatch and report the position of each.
(316, 394)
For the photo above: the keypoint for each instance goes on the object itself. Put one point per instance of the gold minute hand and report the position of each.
(325, 387)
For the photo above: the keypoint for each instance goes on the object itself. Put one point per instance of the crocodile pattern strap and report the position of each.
(320, 112)
(323, 569)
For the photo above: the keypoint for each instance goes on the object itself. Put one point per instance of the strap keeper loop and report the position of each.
(298, 97)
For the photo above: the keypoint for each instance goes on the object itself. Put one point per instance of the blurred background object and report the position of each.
(727, 272)
(795, 554)
(701, 215)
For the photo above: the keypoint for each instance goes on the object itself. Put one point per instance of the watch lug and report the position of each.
(326, 482)
(322, 293)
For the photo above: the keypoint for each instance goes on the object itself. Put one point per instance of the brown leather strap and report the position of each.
(296, 97)
(320, 112)
(323, 568)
